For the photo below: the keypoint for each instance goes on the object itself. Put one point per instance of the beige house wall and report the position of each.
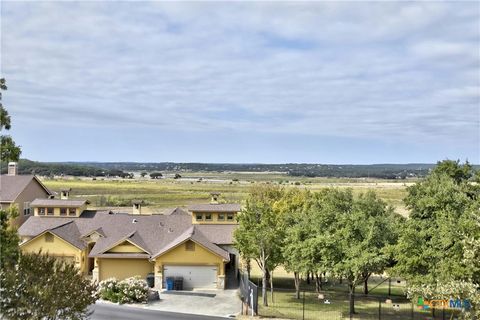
(123, 268)
(57, 248)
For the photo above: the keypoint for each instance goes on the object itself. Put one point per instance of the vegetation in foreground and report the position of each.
(38, 286)
(333, 233)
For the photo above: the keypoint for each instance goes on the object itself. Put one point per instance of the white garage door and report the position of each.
(194, 277)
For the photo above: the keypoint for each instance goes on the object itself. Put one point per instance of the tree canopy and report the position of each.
(439, 244)
(9, 151)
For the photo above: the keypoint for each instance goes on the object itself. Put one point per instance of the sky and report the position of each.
(243, 82)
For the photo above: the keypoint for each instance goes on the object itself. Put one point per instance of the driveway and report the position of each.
(103, 311)
(222, 303)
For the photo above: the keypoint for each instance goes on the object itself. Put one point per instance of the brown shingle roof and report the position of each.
(150, 232)
(12, 186)
(58, 203)
(195, 235)
(212, 207)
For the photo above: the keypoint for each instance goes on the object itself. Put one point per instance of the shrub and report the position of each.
(130, 290)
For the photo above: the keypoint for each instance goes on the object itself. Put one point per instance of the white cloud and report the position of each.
(376, 70)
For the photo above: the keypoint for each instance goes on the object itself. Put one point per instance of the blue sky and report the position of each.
(318, 82)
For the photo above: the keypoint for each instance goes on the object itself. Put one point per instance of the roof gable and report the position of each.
(12, 186)
(196, 236)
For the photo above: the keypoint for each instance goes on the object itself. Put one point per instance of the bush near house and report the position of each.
(130, 290)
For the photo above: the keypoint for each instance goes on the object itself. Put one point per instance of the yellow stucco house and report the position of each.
(195, 245)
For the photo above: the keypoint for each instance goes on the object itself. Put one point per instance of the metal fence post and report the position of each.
(303, 308)
(379, 309)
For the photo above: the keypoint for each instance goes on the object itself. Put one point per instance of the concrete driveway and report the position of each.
(223, 303)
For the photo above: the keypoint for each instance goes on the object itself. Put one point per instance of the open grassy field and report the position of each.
(195, 187)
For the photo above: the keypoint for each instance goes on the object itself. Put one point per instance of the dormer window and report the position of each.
(208, 217)
(49, 211)
(221, 217)
(230, 216)
(72, 212)
(41, 211)
(63, 211)
(199, 217)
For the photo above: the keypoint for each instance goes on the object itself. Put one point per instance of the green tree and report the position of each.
(43, 287)
(143, 174)
(259, 235)
(439, 243)
(365, 233)
(9, 151)
(156, 175)
(8, 238)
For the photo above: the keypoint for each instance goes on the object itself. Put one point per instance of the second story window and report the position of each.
(49, 211)
(41, 211)
(221, 217)
(26, 208)
(72, 212)
(63, 211)
(230, 217)
(199, 217)
(208, 217)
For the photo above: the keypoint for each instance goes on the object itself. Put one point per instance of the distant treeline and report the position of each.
(68, 169)
(124, 169)
(381, 171)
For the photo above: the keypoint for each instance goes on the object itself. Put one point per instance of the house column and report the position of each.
(158, 275)
(221, 276)
(95, 271)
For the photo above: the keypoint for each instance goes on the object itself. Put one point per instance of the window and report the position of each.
(72, 212)
(221, 217)
(49, 211)
(41, 211)
(48, 237)
(208, 217)
(190, 246)
(26, 208)
(230, 216)
(199, 216)
(63, 211)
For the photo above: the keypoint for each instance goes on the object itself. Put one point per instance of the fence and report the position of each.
(335, 305)
(248, 294)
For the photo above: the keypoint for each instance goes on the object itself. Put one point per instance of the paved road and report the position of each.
(109, 312)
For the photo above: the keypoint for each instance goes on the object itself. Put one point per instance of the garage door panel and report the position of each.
(194, 277)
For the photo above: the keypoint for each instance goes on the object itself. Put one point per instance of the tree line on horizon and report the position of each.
(124, 169)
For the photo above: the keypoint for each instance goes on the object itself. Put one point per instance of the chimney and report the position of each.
(12, 169)
(137, 206)
(64, 194)
(215, 196)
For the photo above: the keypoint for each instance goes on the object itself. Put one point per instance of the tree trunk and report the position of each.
(352, 298)
(308, 277)
(365, 283)
(248, 268)
(297, 284)
(264, 288)
(271, 285)
(318, 281)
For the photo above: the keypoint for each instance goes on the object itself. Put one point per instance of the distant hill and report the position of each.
(123, 169)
